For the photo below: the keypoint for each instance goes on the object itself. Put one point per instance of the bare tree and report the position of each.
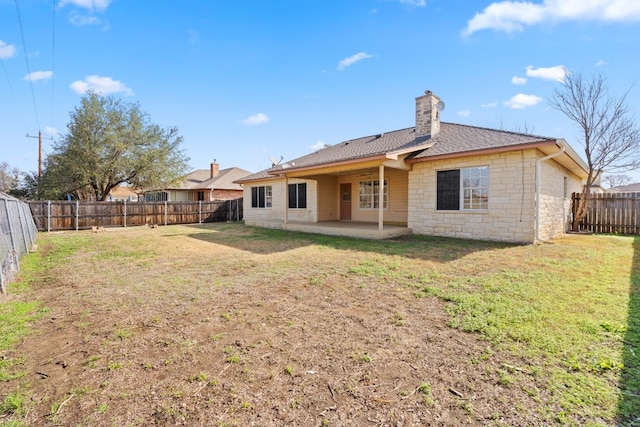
(9, 177)
(609, 134)
(614, 181)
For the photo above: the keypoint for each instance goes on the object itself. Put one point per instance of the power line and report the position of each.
(13, 94)
(26, 58)
(53, 61)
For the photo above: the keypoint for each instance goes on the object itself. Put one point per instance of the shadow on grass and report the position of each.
(268, 241)
(629, 403)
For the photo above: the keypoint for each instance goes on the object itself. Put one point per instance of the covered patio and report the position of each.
(357, 229)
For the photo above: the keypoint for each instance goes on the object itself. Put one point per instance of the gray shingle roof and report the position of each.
(201, 179)
(455, 138)
(452, 139)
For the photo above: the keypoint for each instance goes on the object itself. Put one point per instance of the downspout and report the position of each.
(538, 162)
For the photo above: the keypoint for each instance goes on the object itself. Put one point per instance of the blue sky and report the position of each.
(248, 80)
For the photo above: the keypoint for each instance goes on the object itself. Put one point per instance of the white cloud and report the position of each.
(6, 50)
(464, 113)
(518, 80)
(489, 104)
(601, 62)
(520, 101)
(347, 62)
(319, 146)
(101, 85)
(549, 73)
(38, 75)
(81, 20)
(48, 130)
(418, 3)
(510, 16)
(256, 119)
(87, 4)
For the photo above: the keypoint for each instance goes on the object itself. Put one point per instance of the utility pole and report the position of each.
(39, 153)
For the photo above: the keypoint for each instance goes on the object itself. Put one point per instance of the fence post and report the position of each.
(124, 213)
(13, 239)
(22, 227)
(166, 213)
(48, 216)
(77, 214)
(199, 211)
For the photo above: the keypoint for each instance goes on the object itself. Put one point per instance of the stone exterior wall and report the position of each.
(427, 115)
(280, 202)
(556, 186)
(511, 213)
(512, 206)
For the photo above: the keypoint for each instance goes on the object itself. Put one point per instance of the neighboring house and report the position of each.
(122, 193)
(203, 184)
(437, 178)
(629, 188)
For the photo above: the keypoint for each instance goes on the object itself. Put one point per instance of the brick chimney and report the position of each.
(428, 114)
(215, 169)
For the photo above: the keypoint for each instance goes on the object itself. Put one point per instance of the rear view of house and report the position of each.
(434, 178)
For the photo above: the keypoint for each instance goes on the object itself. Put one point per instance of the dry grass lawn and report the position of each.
(225, 325)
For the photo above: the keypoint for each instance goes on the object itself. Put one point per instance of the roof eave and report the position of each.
(393, 155)
(493, 150)
(280, 172)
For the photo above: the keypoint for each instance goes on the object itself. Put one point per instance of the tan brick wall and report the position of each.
(512, 205)
(556, 186)
(280, 203)
(511, 213)
(276, 212)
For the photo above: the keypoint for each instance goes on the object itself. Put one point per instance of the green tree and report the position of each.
(608, 132)
(108, 143)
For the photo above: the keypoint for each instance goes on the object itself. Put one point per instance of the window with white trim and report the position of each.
(261, 197)
(298, 196)
(369, 194)
(463, 189)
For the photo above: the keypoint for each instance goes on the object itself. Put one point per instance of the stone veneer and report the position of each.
(280, 202)
(427, 115)
(512, 205)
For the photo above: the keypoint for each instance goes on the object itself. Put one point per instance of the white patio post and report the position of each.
(381, 198)
(286, 200)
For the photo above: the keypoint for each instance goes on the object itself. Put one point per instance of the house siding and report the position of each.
(280, 202)
(511, 213)
(397, 193)
(556, 186)
(328, 201)
(308, 214)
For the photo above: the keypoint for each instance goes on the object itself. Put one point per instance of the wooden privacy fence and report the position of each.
(53, 215)
(611, 213)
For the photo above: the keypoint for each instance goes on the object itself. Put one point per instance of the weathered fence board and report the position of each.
(611, 213)
(53, 215)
